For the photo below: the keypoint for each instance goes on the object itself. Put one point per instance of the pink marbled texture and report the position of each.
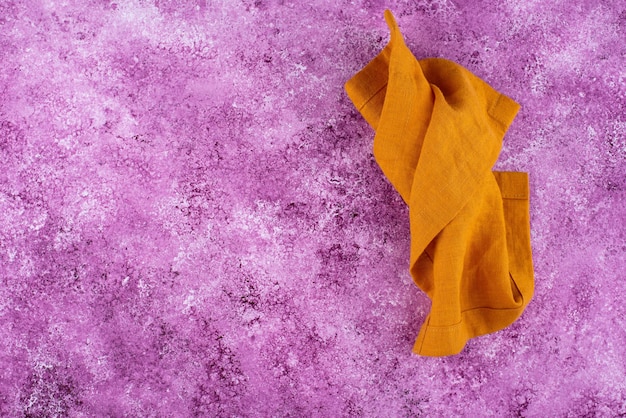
(192, 222)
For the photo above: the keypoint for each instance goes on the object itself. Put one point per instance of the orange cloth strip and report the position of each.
(439, 131)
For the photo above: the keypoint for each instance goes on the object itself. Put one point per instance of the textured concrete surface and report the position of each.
(192, 222)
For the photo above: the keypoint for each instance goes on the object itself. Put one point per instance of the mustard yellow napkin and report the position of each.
(439, 131)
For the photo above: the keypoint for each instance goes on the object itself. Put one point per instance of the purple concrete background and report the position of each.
(192, 222)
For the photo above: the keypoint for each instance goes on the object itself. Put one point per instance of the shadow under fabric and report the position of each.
(439, 131)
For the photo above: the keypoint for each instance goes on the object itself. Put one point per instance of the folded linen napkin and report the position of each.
(439, 131)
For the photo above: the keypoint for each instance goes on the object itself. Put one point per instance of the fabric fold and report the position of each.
(439, 130)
